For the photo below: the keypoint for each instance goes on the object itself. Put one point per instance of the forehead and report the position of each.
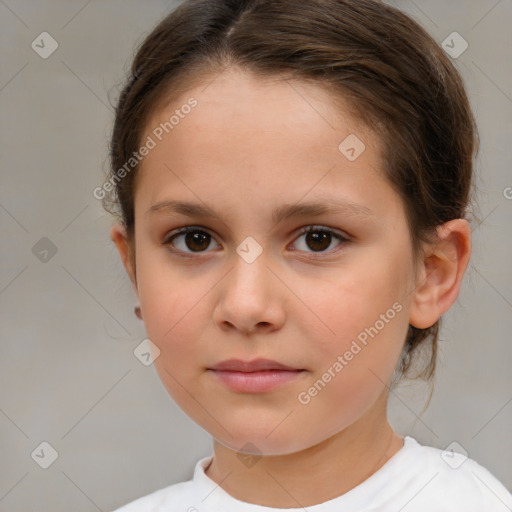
(245, 106)
(255, 137)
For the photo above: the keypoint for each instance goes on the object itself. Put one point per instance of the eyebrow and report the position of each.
(279, 214)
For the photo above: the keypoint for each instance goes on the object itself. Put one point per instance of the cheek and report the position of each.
(172, 308)
(175, 323)
(353, 366)
(351, 303)
(366, 314)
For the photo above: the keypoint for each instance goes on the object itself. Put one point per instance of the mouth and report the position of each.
(256, 376)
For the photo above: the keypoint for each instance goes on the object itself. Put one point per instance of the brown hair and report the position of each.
(394, 75)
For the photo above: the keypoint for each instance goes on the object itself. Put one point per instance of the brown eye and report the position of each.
(197, 241)
(319, 239)
(190, 240)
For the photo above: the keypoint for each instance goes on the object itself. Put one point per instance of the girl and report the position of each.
(291, 180)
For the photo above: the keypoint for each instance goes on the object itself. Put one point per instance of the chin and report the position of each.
(260, 446)
(261, 438)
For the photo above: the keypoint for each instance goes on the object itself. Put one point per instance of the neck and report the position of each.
(317, 474)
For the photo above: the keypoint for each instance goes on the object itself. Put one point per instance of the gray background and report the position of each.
(68, 374)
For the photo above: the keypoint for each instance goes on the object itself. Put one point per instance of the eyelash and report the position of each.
(309, 229)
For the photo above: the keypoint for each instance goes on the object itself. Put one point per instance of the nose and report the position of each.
(250, 299)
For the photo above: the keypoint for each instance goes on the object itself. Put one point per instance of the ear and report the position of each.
(119, 237)
(441, 272)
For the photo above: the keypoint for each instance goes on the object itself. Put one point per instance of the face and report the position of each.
(249, 283)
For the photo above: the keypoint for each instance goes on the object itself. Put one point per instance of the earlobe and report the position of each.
(441, 273)
(120, 238)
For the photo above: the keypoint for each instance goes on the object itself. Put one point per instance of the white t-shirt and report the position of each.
(416, 479)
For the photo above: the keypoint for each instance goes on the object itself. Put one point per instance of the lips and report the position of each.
(256, 376)
(256, 365)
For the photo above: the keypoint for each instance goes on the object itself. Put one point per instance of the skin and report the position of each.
(251, 145)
